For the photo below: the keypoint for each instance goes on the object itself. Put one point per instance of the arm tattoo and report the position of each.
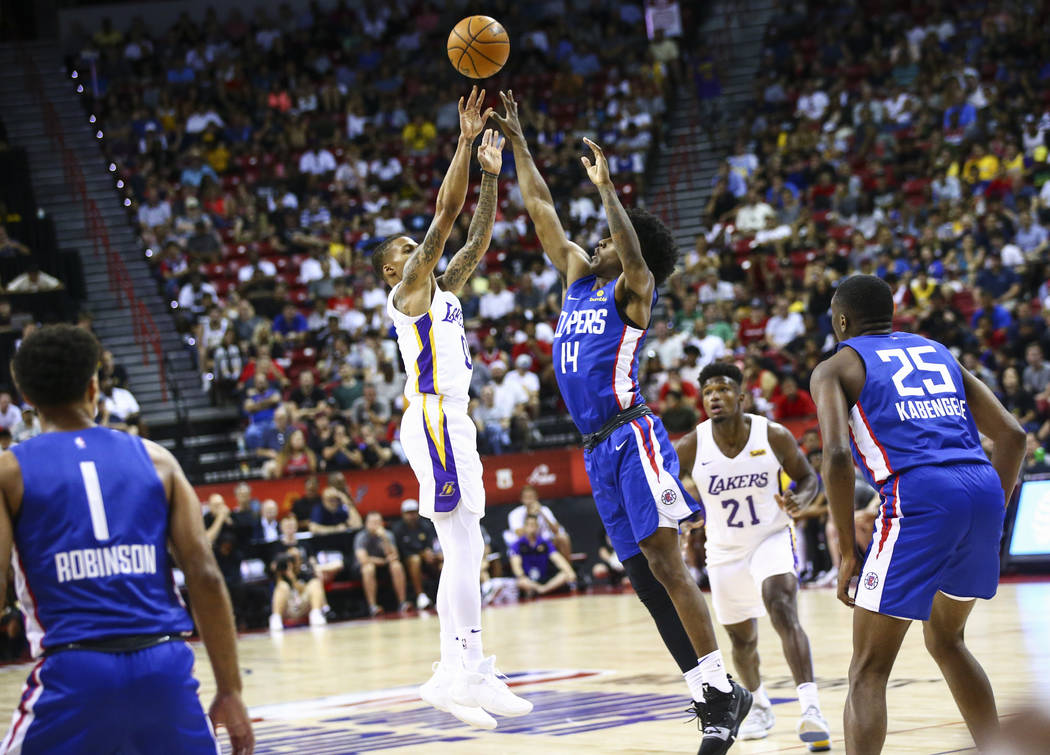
(424, 258)
(478, 236)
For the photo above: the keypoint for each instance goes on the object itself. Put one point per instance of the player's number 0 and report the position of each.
(89, 472)
(911, 360)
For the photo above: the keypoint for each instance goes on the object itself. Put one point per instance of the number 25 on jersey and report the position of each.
(910, 360)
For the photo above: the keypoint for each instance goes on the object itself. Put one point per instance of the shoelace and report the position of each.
(696, 711)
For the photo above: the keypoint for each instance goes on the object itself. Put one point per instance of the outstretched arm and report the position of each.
(569, 259)
(638, 282)
(450, 198)
(490, 155)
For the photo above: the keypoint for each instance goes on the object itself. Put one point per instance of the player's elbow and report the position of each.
(837, 457)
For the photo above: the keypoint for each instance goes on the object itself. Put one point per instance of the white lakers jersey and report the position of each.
(737, 492)
(434, 348)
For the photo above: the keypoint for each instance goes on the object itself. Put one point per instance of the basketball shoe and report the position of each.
(485, 687)
(721, 714)
(758, 723)
(435, 692)
(813, 730)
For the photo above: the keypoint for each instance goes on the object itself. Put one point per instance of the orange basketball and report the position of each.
(478, 47)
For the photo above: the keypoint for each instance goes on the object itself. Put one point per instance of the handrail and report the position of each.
(146, 334)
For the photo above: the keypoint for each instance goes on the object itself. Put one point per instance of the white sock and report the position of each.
(451, 650)
(471, 642)
(761, 698)
(807, 696)
(713, 671)
(696, 683)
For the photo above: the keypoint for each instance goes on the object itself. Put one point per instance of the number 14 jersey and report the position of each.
(912, 411)
(740, 510)
(596, 355)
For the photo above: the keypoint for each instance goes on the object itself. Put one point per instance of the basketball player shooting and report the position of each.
(913, 418)
(631, 464)
(437, 433)
(735, 460)
(86, 517)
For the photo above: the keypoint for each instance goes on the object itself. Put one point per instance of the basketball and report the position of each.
(478, 47)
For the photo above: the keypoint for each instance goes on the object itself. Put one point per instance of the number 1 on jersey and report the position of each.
(94, 496)
(569, 353)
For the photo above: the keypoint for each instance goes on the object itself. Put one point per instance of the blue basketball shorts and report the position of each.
(85, 701)
(938, 530)
(634, 480)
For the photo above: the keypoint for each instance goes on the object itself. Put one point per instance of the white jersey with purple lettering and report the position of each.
(437, 434)
(738, 493)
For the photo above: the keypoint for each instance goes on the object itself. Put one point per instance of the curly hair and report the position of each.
(721, 369)
(658, 245)
(55, 363)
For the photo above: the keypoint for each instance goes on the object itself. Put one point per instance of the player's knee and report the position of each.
(782, 613)
(646, 586)
(368, 570)
(940, 643)
(743, 642)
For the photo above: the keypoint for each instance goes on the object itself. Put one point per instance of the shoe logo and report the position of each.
(705, 463)
(621, 445)
(716, 731)
(871, 580)
(573, 298)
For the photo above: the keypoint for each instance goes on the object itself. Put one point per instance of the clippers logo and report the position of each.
(449, 488)
(668, 497)
(871, 580)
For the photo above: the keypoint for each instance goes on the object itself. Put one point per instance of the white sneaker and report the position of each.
(422, 602)
(317, 618)
(484, 687)
(276, 624)
(758, 723)
(829, 578)
(813, 730)
(435, 692)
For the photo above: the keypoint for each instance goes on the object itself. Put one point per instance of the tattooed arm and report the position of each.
(415, 280)
(636, 285)
(490, 155)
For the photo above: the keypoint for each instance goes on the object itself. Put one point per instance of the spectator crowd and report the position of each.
(265, 157)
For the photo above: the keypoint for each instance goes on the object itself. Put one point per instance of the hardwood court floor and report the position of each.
(600, 679)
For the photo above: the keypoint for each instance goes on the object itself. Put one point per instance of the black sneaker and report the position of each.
(721, 714)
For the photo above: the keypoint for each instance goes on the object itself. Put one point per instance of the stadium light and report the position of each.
(120, 183)
(80, 88)
(75, 74)
(98, 134)
(127, 203)
(91, 118)
(174, 305)
(112, 167)
(149, 252)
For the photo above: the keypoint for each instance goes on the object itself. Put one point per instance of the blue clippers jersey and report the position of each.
(90, 556)
(912, 410)
(596, 355)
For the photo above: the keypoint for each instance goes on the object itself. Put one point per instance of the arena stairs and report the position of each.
(171, 398)
(681, 180)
